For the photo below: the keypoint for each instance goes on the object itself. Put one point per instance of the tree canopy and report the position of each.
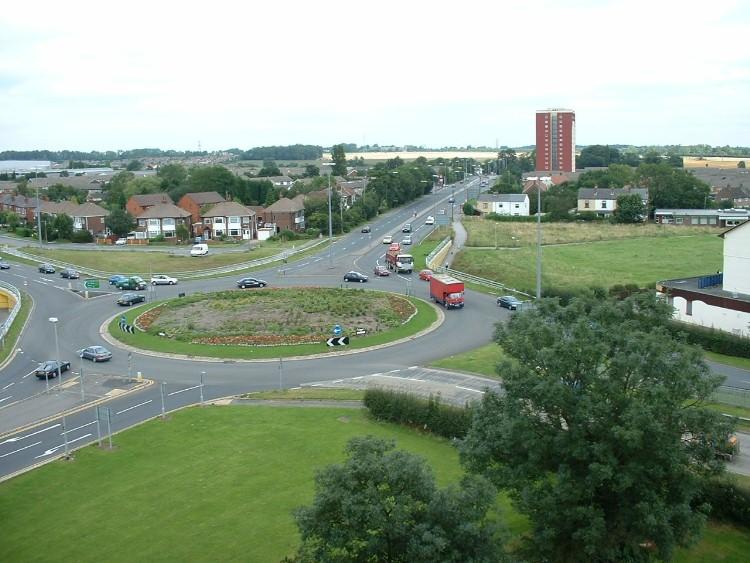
(600, 437)
(382, 505)
(339, 160)
(630, 209)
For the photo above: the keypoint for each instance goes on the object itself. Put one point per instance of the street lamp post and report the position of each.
(538, 243)
(54, 321)
(38, 217)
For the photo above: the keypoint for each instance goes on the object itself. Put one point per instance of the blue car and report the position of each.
(117, 278)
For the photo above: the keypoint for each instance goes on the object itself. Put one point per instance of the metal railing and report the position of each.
(734, 396)
(192, 274)
(501, 288)
(5, 327)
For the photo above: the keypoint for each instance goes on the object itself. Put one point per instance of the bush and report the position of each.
(82, 236)
(312, 232)
(431, 414)
(158, 238)
(728, 502)
(588, 216)
(23, 231)
(713, 340)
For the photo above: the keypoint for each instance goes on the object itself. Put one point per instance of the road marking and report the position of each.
(337, 381)
(393, 371)
(82, 426)
(53, 450)
(19, 438)
(413, 367)
(469, 389)
(134, 406)
(20, 449)
(28, 374)
(9, 384)
(6, 398)
(182, 391)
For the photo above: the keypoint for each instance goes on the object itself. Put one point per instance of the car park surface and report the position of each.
(509, 302)
(128, 299)
(48, 369)
(355, 277)
(251, 282)
(96, 354)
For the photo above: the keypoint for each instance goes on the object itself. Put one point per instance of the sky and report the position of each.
(87, 76)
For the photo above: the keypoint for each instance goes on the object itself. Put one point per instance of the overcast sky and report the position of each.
(122, 75)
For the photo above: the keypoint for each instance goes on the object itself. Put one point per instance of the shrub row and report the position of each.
(728, 502)
(430, 414)
(714, 340)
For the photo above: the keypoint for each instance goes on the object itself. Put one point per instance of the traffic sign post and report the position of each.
(91, 284)
(338, 341)
(337, 330)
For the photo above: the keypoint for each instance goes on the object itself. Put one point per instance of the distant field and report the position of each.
(713, 161)
(429, 155)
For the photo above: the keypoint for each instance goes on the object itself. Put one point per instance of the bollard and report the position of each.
(139, 376)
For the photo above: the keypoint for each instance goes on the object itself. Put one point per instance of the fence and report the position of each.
(734, 396)
(499, 287)
(5, 327)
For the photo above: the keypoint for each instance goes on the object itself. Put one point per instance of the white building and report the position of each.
(503, 204)
(720, 300)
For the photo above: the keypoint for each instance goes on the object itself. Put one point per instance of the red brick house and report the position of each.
(162, 219)
(195, 202)
(230, 219)
(87, 216)
(24, 207)
(286, 214)
(137, 204)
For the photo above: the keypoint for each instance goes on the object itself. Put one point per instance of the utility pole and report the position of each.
(38, 217)
(330, 225)
(538, 242)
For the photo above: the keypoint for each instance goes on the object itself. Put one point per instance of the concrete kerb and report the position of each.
(105, 334)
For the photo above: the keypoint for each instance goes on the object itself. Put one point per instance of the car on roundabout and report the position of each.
(509, 302)
(46, 269)
(49, 369)
(70, 273)
(163, 279)
(425, 274)
(96, 354)
(251, 282)
(132, 283)
(4, 265)
(381, 271)
(128, 299)
(355, 277)
(114, 280)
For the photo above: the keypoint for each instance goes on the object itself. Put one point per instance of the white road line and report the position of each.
(9, 385)
(182, 390)
(337, 381)
(393, 371)
(19, 438)
(27, 375)
(394, 377)
(413, 367)
(6, 398)
(134, 406)
(469, 389)
(82, 426)
(20, 449)
(53, 450)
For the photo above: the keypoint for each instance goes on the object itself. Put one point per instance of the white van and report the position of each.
(199, 250)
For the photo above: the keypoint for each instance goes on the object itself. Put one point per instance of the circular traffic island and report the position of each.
(272, 323)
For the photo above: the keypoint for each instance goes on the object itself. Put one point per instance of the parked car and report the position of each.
(96, 354)
(407, 228)
(4, 265)
(162, 279)
(425, 275)
(509, 302)
(114, 280)
(47, 269)
(128, 299)
(381, 271)
(366, 229)
(355, 277)
(70, 273)
(406, 240)
(131, 283)
(388, 239)
(199, 250)
(251, 282)
(121, 241)
(48, 369)
(430, 220)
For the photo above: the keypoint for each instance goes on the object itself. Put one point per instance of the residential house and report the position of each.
(260, 217)
(503, 204)
(284, 182)
(24, 207)
(230, 219)
(137, 204)
(720, 300)
(286, 214)
(161, 219)
(739, 197)
(196, 203)
(710, 217)
(603, 201)
(536, 185)
(86, 216)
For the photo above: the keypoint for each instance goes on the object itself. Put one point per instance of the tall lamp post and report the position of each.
(54, 321)
(538, 242)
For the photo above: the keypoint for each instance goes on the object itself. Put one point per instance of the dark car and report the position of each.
(70, 273)
(96, 353)
(128, 299)
(355, 277)
(381, 271)
(509, 302)
(407, 228)
(48, 369)
(451, 199)
(117, 278)
(47, 269)
(366, 229)
(251, 282)
(4, 265)
(131, 283)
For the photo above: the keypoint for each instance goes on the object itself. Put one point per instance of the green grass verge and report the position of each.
(641, 261)
(425, 317)
(720, 542)
(481, 361)
(17, 259)
(309, 393)
(427, 245)
(11, 338)
(742, 363)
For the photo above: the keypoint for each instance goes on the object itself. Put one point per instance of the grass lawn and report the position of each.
(720, 543)
(9, 344)
(481, 361)
(309, 393)
(743, 363)
(641, 261)
(427, 245)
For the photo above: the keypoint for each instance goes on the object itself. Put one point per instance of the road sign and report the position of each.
(337, 330)
(92, 284)
(339, 341)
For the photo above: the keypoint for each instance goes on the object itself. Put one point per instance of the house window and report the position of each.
(168, 224)
(689, 308)
(678, 220)
(153, 222)
(219, 221)
(234, 232)
(604, 205)
(234, 219)
(586, 204)
(517, 206)
(704, 221)
(207, 221)
(141, 222)
(712, 220)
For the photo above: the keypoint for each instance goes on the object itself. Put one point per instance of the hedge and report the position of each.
(713, 340)
(430, 414)
(728, 502)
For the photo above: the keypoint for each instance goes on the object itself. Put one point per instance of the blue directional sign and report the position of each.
(337, 330)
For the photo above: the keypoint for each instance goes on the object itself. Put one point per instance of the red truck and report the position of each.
(447, 291)
(397, 260)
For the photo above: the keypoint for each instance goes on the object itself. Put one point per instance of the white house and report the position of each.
(231, 219)
(503, 204)
(603, 201)
(720, 300)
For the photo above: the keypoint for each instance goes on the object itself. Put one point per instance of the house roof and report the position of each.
(202, 198)
(286, 205)
(505, 198)
(19, 201)
(610, 193)
(278, 179)
(722, 213)
(72, 209)
(229, 209)
(151, 199)
(163, 210)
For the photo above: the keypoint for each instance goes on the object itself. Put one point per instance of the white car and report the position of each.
(121, 241)
(388, 239)
(199, 250)
(430, 220)
(162, 279)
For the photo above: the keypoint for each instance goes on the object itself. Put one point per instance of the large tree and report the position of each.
(630, 209)
(339, 160)
(120, 222)
(672, 188)
(600, 436)
(383, 505)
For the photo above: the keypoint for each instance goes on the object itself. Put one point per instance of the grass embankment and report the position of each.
(424, 317)
(742, 363)
(428, 244)
(11, 338)
(308, 394)
(482, 361)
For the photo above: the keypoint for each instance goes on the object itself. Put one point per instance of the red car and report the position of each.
(425, 275)
(381, 271)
